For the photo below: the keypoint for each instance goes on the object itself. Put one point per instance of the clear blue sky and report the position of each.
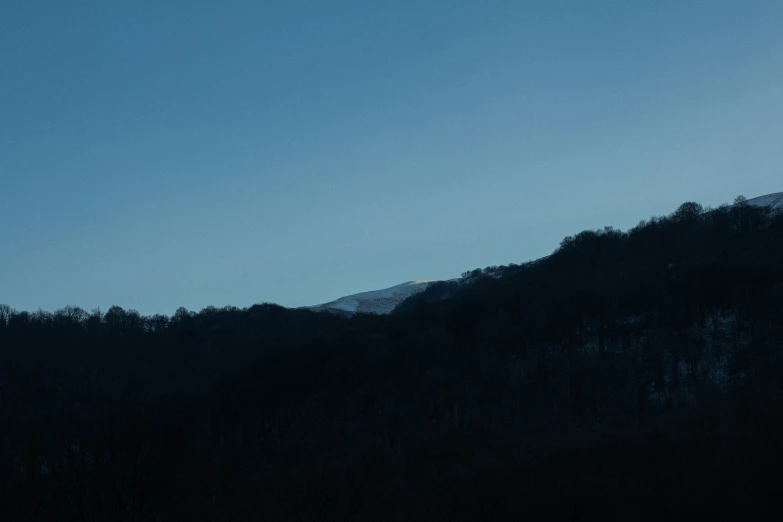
(158, 154)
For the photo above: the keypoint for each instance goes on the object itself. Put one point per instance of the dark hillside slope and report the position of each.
(630, 375)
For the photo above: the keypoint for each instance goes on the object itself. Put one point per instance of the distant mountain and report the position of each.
(375, 301)
(770, 200)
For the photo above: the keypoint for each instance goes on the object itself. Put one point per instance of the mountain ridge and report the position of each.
(385, 300)
(774, 200)
(382, 301)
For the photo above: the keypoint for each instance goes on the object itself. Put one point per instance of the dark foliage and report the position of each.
(630, 375)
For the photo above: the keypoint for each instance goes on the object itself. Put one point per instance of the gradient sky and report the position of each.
(156, 154)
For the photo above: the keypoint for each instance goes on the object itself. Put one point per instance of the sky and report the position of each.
(157, 154)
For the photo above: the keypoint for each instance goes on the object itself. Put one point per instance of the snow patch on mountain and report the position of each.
(770, 200)
(375, 301)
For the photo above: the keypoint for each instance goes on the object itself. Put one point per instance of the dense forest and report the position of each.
(630, 375)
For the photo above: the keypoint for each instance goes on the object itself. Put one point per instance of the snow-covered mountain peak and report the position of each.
(770, 200)
(375, 301)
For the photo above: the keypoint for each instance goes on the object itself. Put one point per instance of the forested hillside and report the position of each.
(630, 375)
